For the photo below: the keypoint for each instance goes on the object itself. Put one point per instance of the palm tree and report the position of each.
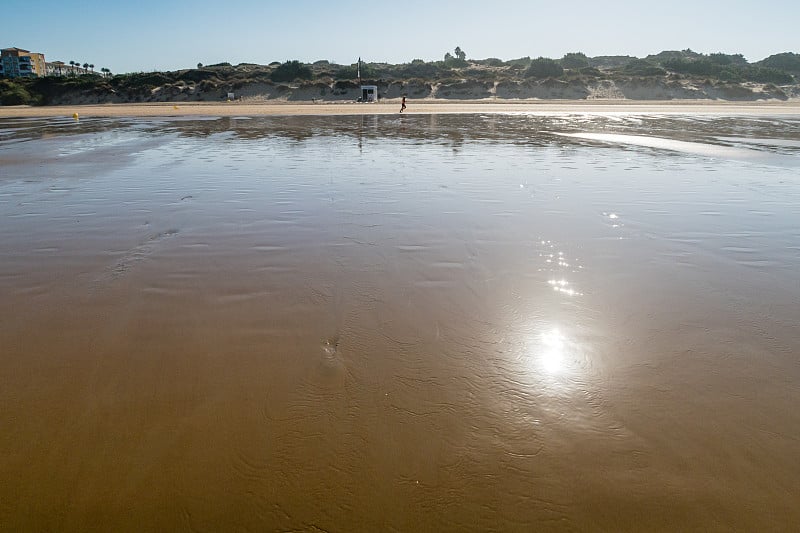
(85, 67)
(72, 69)
(91, 67)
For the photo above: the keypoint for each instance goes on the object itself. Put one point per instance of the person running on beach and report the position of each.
(403, 104)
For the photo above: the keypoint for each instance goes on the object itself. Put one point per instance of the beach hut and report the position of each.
(369, 93)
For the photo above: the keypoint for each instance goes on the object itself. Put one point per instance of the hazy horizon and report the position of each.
(150, 36)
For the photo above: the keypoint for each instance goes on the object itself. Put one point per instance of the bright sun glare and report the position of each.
(552, 351)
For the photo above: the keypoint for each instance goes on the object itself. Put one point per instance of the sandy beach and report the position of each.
(575, 316)
(428, 106)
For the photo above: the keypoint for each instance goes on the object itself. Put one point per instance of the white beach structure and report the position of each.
(369, 93)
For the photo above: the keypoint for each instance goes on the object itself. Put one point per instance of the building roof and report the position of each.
(15, 50)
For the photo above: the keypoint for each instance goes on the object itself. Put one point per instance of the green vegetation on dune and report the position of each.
(544, 67)
(291, 71)
(787, 62)
(706, 67)
(574, 60)
(674, 74)
(12, 93)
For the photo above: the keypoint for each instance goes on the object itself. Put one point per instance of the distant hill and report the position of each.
(666, 75)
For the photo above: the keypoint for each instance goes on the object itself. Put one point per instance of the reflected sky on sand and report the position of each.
(707, 135)
(400, 323)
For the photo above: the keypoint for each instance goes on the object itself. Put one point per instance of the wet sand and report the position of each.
(417, 323)
(239, 108)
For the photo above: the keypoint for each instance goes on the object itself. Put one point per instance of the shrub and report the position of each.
(522, 62)
(544, 67)
(700, 67)
(610, 61)
(13, 94)
(350, 72)
(455, 62)
(490, 61)
(48, 87)
(767, 75)
(706, 67)
(150, 79)
(574, 60)
(422, 70)
(787, 61)
(641, 67)
(480, 74)
(727, 59)
(290, 71)
(346, 73)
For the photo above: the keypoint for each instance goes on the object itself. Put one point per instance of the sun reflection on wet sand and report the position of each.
(563, 286)
(554, 359)
(552, 355)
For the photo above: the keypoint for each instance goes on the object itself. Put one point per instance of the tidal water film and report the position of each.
(400, 323)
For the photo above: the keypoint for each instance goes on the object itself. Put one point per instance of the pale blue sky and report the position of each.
(150, 35)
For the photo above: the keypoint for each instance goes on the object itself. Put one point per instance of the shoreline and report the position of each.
(390, 107)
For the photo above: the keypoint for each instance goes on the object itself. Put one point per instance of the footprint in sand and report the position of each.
(136, 255)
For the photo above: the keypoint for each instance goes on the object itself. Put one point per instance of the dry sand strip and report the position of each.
(226, 109)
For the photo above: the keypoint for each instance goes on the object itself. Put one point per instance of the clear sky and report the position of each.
(146, 35)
